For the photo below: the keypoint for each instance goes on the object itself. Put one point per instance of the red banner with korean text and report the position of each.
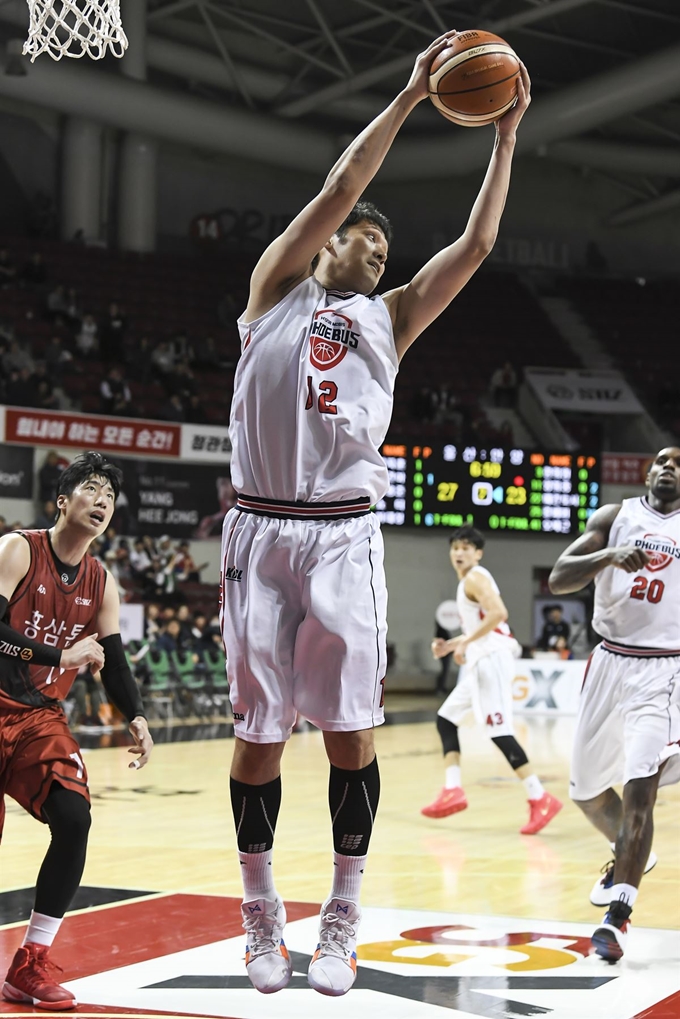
(92, 431)
(625, 468)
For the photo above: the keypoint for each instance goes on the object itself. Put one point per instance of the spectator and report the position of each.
(163, 357)
(48, 477)
(180, 380)
(20, 389)
(140, 358)
(34, 274)
(57, 358)
(86, 340)
(152, 621)
(45, 395)
(46, 517)
(169, 637)
(173, 409)
(503, 386)
(206, 355)
(73, 310)
(115, 393)
(56, 302)
(226, 496)
(553, 628)
(8, 270)
(185, 565)
(112, 334)
(195, 411)
(17, 357)
(185, 621)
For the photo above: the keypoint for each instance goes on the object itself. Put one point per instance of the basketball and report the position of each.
(473, 81)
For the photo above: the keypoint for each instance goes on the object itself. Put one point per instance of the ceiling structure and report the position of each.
(605, 73)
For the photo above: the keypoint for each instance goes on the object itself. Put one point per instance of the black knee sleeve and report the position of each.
(68, 816)
(256, 810)
(511, 750)
(449, 735)
(353, 800)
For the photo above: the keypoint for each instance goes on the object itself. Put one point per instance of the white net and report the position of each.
(75, 28)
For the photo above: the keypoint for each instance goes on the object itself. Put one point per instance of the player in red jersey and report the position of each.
(59, 610)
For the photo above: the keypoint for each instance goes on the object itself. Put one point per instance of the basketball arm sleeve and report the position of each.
(17, 645)
(117, 679)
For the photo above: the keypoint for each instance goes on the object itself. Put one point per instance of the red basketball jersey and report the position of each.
(46, 608)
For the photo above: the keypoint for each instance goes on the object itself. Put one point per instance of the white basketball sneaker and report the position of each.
(601, 892)
(267, 962)
(333, 968)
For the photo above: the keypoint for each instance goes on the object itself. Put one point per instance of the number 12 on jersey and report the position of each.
(328, 394)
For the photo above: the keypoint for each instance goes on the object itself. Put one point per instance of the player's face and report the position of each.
(663, 479)
(358, 259)
(90, 505)
(464, 556)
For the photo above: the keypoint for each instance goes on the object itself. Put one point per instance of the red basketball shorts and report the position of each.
(36, 749)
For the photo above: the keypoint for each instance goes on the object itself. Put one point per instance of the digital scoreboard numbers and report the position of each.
(442, 485)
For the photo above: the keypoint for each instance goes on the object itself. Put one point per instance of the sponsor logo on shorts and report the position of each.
(238, 717)
(232, 573)
(663, 550)
(83, 601)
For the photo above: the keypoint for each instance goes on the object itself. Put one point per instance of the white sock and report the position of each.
(624, 893)
(256, 874)
(348, 873)
(533, 786)
(42, 930)
(452, 780)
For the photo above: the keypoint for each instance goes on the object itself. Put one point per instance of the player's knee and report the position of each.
(350, 750)
(448, 733)
(68, 815)
(511, 750)
(256, 763)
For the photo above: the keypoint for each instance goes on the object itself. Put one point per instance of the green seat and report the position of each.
(161, 685)
(185, 669)
(216, 668)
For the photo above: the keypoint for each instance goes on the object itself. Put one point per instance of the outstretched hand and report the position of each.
(418, 84)
(508, 123)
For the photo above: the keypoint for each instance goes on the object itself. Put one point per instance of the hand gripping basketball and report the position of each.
(418, 85)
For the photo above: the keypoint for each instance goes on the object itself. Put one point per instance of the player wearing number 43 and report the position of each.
(487, 650)
(629, 715)
(304, 599)
(59, 610)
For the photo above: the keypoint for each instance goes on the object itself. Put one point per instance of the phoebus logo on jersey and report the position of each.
(662, 549)
(330, 338)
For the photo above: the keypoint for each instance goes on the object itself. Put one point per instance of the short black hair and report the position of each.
(470, 535)
(88, 465)
(363, 212)
(366, 212)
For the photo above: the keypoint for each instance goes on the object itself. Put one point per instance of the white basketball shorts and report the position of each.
(628, 721)
(304, 621)
(484, 688)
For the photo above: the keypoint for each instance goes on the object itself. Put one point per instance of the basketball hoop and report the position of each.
(73, 28)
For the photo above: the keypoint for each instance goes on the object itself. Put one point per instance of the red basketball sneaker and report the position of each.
(449, 801)
(28, 980)
(540, 813)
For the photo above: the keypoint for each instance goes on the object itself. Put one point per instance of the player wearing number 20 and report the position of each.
(59, 610)
(304, 610)
(629, 716)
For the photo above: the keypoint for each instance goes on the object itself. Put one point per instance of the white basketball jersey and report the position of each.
(641, 609)
(472, 617)
(313, 398)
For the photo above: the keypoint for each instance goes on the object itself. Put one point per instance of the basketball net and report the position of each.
(73, 28)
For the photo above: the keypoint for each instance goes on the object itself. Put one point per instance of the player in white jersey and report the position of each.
(629, 716)
(488, 650)
(304, 599)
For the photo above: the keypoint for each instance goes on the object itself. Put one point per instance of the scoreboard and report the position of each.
(437, 484)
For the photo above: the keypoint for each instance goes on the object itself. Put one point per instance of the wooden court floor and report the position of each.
(169, 829)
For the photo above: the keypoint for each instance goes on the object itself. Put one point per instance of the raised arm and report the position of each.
(287, 260)
(590, 554)
(415, 306)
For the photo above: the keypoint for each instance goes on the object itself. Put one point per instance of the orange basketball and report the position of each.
(474, 80)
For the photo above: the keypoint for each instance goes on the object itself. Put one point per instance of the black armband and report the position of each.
(117, 679)
(17, 645)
